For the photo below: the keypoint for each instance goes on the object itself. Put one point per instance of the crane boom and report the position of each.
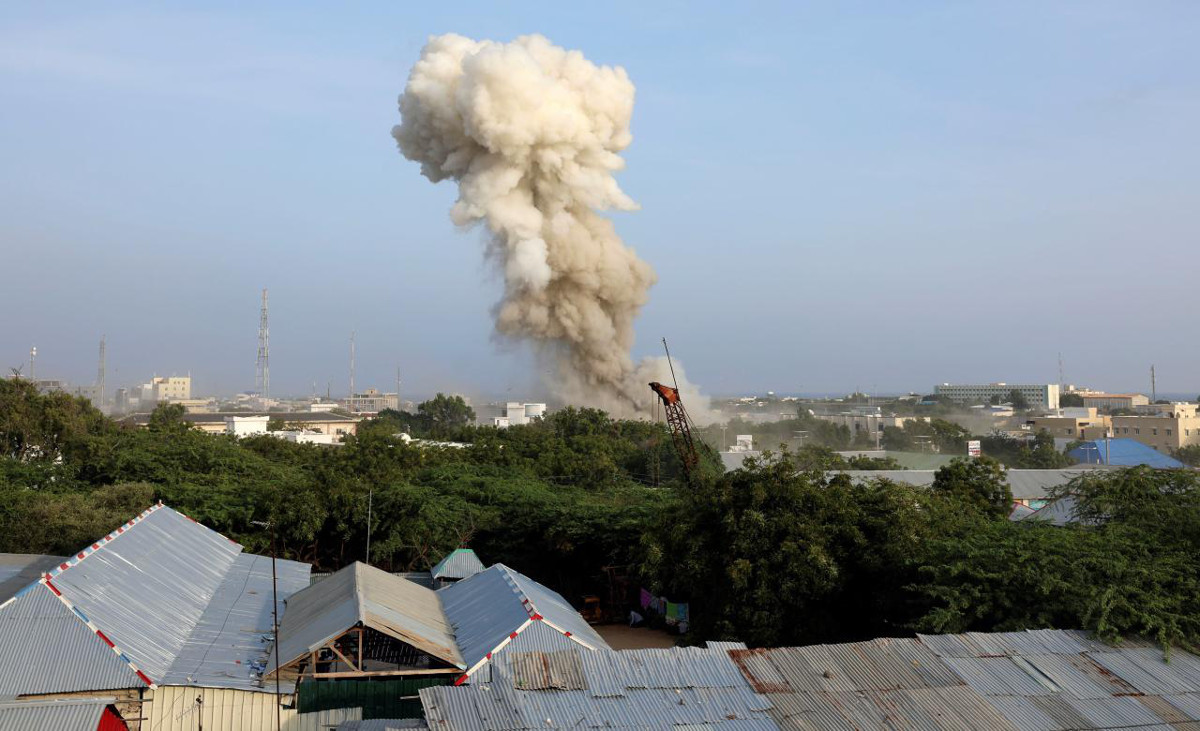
(677, 420)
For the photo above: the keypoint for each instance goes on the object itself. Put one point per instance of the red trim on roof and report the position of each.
(104, 637)
(535, 616)
(142, 675)
(460, 679)
(52, 588)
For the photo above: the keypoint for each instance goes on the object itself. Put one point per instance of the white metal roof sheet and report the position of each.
(458, 564)
(76, 714)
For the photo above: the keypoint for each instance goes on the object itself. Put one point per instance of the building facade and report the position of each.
(1113, 401)
(1073, 423)
(1165, 431)
(1044, 396)
(172, 388)
(372, 401)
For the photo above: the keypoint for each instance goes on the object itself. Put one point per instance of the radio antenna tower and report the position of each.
(100, 375)
(351, 364)
(263, 378)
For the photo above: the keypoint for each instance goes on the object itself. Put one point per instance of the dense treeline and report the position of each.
(780, 551)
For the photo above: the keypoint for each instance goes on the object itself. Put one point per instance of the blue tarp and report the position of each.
(1122, 453)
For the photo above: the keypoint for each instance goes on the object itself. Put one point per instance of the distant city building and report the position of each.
(246, 426)
(171, 388)
(1171, 428)
(1039, 396)
(868, 421)
(516, 414)
(371, 401)
(1072, 423)
(215, 423)
(1113, 401)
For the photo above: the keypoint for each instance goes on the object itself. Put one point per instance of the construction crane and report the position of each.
(677, 420)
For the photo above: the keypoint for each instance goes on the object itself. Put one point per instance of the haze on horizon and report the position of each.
(832, 197)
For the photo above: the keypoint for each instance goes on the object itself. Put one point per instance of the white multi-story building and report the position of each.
(516, 413)
(171, 388)
(1038, 395)
(372, 401)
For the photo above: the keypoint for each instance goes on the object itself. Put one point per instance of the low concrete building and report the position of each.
(246, 426)
(335, 425)
(1177, 425)
(517, 413)
(1113, 401)
(1072, 423)
(371, 401)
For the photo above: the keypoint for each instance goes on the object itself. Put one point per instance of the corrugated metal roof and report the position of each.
(361, 593)
(76, 714)
(1124, 453)
(47, 649)
(19, 570)
(229, 640)
(1033, 681)
(486, 610)
(148, 588)
(382, 724)
(677, 687)
(162, 596)
(459, 564)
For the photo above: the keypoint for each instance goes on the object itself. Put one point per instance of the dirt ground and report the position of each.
(624, 637)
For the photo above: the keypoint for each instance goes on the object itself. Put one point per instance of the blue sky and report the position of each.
(834, 195)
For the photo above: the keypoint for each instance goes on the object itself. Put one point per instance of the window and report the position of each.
(1155, 431)
(1136, 430)
(1168, 432)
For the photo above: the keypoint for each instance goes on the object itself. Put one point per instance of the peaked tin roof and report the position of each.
(458, 564)
(364, 594)
(492, 608)
(19, 570)
(75, 714)
(142, 592)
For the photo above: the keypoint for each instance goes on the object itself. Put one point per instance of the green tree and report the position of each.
(168, 419)
(1018, 400)
(1189, 455)
(446, 414)
(979, 482)
(1068, 400)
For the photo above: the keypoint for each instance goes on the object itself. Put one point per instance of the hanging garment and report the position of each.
(645, 599)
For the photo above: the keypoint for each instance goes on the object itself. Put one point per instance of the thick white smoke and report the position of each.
(532, 134)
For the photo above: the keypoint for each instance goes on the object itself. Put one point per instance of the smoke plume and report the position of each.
(531, 133)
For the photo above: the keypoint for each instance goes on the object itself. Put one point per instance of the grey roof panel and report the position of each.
(47, 649)
(229, 639)
(459, 564)
(360, 593)
(487, 608)
(77, 714)
(149, 586)
(383, 724)
(19, 570)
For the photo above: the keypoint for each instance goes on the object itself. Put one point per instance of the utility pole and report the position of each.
(1061, 378)
(32, 360)
(264, 337)
(398, 389)
(275, 623)
(370, 500)
(1153, 386)
(100, 375)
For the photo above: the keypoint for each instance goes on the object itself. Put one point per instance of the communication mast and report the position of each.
(32, 361)
(100, 374)
(352, 334)
(1153, 387)
(263, 377)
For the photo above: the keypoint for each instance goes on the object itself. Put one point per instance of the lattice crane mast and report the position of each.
(677, 419)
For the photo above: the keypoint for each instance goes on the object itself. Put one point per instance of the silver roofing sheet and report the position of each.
(383, 724)
(19, 570)
(231, 635)
(875, 665)
(998, 676)
(360, 593)
(644, 689)
(76, 714)
(1029, 642)
(545, 670)
(485, 609)
(47, 649)
(1113, 712)
(1188, 703)
(148, 587)
(458, 564)
(1145, 670)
